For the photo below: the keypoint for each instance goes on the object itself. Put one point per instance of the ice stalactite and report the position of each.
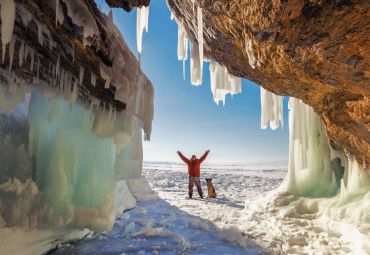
(195, 65)
(312, 169)
(81, 75)
(7, 23)
(82, 17)
(271, 109)
(142, 20)
(200, 37)
(223, 83)
(196, 53)
(325, 191)
(59, 16)
(93, 79)
(182, 46)
(11, 51)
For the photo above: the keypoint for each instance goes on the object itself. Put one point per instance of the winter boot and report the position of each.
(201, 195)
(190, 195)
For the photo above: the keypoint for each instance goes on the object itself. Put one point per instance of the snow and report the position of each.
(175, 225)
(271, 109)
(313, 213)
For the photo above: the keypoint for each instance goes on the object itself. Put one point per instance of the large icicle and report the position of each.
(223, 83)
(7, 23)
(182, 46)
(196, 53)
(271, 109)
(200, 37)
(310, 170)
(195, 65)
(142, 17)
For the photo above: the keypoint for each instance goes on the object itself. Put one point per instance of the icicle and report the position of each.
(182, 43)
(59, 15)
(142, 16)
(26, 16)
(110, 112)
(7, 23)
(271, 109)
(32, 58)
(74, 92)
(21, 54)
(146, 18)
(200, 37)
(39, 33)
(172, 17)
(73, 53)
(38, 66)
(61, 80)
(195, 66)
(57, 67)
(82, 70)
(222, 83)
(11, 52)
(50, 42)
(93, 79)
(105, 73)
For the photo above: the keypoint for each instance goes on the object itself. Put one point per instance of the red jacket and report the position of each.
(193, 165)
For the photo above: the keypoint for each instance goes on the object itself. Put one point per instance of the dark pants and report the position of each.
(194, 180)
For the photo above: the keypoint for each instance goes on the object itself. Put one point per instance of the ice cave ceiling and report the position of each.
(317, 51)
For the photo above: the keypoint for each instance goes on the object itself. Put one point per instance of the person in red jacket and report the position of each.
(194, 171)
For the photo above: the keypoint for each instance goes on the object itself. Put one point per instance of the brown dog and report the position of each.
(211, 190)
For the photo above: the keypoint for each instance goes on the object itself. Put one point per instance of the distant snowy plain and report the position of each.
(172, 224)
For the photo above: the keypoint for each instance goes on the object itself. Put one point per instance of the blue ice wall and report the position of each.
(73, 166)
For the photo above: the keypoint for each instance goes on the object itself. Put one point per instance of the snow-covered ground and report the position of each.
(173, 224)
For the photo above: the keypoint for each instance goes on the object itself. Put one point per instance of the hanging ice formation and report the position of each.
(69, 159)
(196, 56)
(142, 18)
(222, 82)
(314, 169)
(7, 23)
(271, 109)
(182, 46)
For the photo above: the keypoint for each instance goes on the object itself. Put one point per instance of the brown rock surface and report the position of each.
(317, 51)
(68, 43)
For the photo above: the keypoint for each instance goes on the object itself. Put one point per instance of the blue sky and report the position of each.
(185, 116)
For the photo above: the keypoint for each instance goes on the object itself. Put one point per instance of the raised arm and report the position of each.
(202, 158)
(186, 160)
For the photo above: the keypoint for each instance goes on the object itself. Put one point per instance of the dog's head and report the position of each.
(208, 180)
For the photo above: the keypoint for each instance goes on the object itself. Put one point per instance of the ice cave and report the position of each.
(75, 107)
